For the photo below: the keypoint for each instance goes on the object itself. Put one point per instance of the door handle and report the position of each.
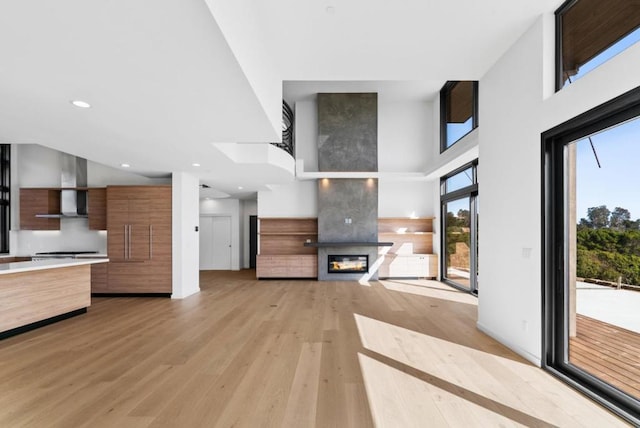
(125, 242)
(150, 241)
(129, 241)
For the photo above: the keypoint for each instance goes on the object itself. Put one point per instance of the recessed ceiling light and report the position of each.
(125, 165)
(81, 104)
(195, 164)
(330, 10)
(240, 187)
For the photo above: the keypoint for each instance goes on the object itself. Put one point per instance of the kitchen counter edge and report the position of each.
(17, 267)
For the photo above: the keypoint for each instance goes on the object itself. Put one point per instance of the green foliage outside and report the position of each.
(609, 246)
(457, 231)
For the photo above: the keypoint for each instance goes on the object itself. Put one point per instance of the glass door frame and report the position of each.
(556, 256)
(470, 192)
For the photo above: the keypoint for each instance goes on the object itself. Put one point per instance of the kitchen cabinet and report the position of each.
(99, 278)
(39, 201)
(47, 201)
(139, 239)
(97, 211)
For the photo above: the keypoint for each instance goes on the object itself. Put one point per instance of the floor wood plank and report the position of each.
(273, 353)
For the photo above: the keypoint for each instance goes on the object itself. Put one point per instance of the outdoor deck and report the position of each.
(609, 352)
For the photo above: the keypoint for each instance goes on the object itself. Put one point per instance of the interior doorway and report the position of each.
(215, 243)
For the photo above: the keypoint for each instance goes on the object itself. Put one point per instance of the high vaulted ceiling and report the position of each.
(169, 78)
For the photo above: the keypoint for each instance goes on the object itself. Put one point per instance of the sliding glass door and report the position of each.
(459, 196)
(592, 260)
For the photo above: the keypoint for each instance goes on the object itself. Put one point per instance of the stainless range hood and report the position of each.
(73, 202)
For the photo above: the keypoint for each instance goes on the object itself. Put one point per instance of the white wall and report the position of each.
(39, 166)
(517, 104)
(306, 132)
(185, 243)
(406, 199)
(241, 23)
(231, 208)
(405, 136)
(298, 199)
(405, 133)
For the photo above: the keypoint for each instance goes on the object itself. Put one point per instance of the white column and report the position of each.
(186, 210)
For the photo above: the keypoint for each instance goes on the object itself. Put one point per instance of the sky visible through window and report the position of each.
(617, 182)
(607, 54)
(456, 131)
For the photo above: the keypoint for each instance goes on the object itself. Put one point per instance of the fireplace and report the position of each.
(348, 263)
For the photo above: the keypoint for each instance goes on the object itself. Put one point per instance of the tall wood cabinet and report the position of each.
(139, 239)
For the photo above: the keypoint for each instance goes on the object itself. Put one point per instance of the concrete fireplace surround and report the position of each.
(347, 212)
(347, 208)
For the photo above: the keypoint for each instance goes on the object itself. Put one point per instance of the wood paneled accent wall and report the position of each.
(282, 253)
(412, 252)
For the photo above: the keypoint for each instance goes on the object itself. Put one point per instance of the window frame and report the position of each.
(470, 191)
(555, 247)
(559, 72)
(5, 197)
(446, 89)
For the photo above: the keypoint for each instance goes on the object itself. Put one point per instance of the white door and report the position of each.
(215, 243)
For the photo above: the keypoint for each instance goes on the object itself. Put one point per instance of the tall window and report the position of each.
(590, 32)
(458, 111)
(592, 253)
(5, 201)
(460, 211)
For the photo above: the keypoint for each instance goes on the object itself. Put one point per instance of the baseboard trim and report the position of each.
(515, 348)
(41, 323)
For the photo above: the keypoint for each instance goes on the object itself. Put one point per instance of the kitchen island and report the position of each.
(36, 293)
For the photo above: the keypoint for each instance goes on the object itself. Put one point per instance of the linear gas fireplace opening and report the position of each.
(348, 263)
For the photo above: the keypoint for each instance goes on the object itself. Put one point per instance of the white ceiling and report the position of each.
(167, 78)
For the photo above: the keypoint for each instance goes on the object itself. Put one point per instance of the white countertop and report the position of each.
(17, 267)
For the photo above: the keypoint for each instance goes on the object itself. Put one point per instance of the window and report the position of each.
(591, 259)
(590, 32)
(5, 191)
(458, 111)
(460, 211)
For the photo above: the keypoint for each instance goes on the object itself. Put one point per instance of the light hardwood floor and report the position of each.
(247, 353)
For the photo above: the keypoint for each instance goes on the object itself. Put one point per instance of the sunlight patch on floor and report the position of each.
(487, 377)
(427, 288)
(398, 399)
